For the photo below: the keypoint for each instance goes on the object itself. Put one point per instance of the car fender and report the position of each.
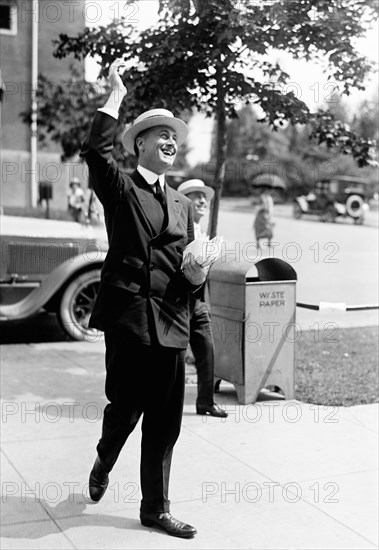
(340, 208)
(34, 301)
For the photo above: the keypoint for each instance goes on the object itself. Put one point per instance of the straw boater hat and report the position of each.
(149, 119)
(194, 186)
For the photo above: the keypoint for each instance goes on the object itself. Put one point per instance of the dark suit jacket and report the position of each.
(142, 288)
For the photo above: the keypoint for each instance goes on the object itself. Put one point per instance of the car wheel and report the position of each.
(329, 214)
(354, 206)
(297, 212)
(76, 306)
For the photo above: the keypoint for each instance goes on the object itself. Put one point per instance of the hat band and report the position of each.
(153, 116)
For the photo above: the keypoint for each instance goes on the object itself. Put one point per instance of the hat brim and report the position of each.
(179, 127)
(260, 186)
(208, 191)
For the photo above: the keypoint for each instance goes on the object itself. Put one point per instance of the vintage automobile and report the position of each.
(338, 196)
(51, 265)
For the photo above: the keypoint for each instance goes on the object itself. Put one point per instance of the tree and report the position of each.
(253, 149)
(65, 110)
(206, 54)
(366, 120)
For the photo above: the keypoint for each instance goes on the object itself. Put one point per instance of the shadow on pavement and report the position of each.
(72, 510)
(43, 327)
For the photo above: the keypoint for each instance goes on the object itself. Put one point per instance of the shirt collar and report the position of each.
(150, 177)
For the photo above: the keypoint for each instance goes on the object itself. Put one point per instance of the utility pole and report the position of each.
(34, 84)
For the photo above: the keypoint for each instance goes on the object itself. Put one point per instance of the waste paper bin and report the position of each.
(253, 309)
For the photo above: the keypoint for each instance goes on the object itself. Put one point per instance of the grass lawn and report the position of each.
(344, 372)
(332, 369)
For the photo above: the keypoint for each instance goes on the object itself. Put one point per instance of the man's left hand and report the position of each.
(193, 271)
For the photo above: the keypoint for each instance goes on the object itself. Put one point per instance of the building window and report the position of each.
(8, 17)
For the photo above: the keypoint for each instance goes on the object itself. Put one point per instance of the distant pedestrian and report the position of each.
(76, 200)
(264, 220)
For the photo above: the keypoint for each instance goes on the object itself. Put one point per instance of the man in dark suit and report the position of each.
(142, 303)
(201, 339)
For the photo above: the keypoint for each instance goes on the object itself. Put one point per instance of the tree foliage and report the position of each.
(208, 54)
(289, 153)
(365, 123)
(65, 111)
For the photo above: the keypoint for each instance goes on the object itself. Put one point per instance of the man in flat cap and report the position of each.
(201, 339)
(143, 300)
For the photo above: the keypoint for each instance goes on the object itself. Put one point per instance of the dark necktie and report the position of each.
(160, 195)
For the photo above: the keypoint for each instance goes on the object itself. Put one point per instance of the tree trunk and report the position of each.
(220, 153)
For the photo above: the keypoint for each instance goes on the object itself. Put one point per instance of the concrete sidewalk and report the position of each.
(275, 475)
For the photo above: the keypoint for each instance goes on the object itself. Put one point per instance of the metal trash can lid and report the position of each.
(237, 271)
(275, 269)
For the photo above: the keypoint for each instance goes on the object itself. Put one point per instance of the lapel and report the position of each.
(174, 206)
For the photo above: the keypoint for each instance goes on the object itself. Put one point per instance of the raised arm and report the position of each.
(98, 145)
(117, 86)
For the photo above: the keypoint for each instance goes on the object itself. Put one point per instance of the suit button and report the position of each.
(151, 293)
(152, 267)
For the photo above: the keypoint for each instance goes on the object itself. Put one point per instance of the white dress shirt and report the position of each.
(150, 177)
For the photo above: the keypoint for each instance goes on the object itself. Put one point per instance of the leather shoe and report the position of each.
(98, 481)
(169, 524)
(212, 410)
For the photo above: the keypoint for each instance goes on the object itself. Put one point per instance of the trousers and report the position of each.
(148, 381)
(202, 346)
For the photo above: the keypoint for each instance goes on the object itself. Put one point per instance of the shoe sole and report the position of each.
(206, 413)
(148, 523)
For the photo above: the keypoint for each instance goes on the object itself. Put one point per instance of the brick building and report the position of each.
(22, 24)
